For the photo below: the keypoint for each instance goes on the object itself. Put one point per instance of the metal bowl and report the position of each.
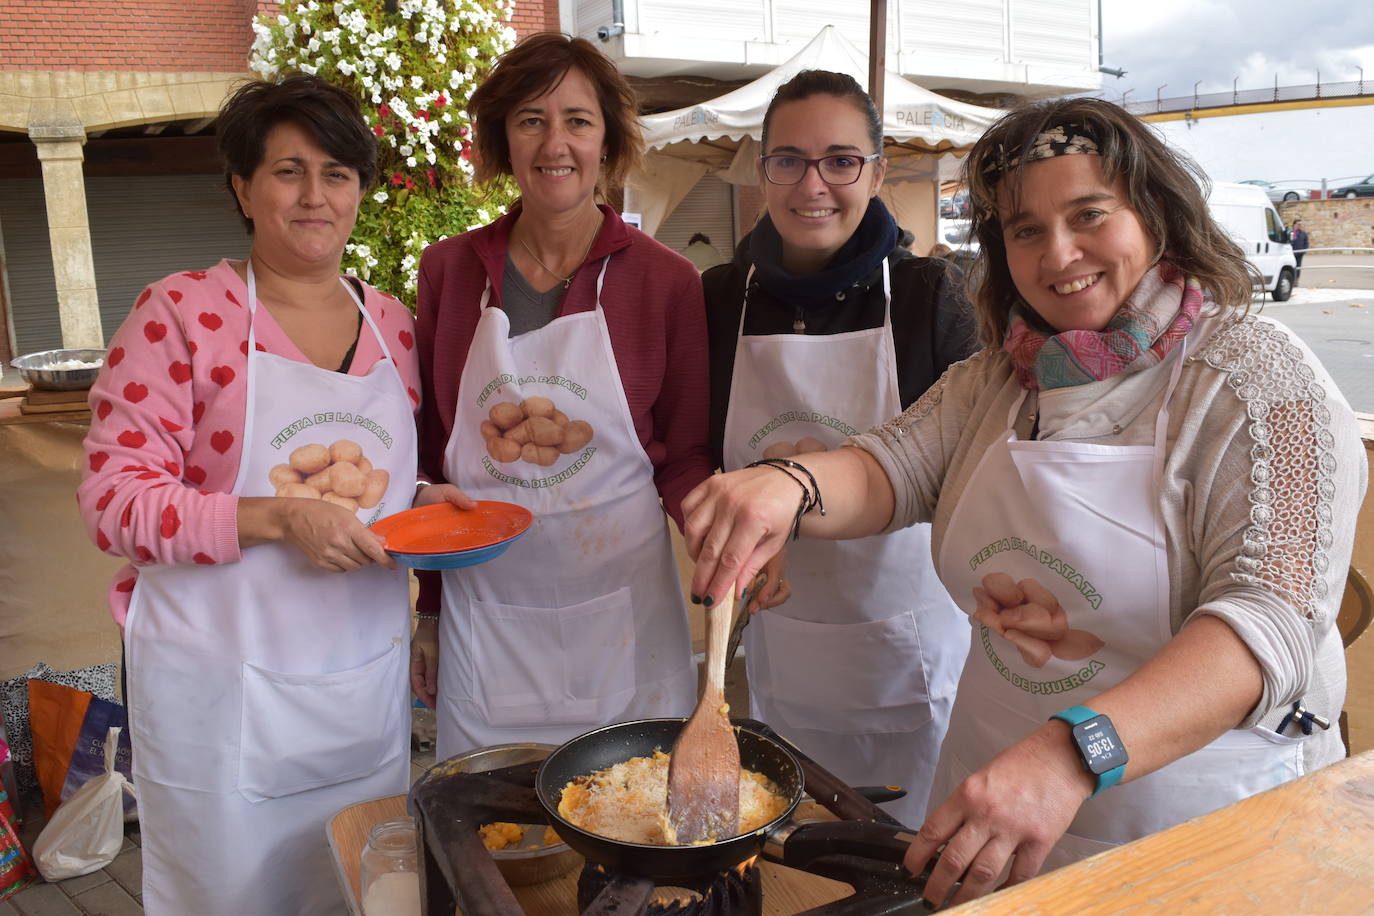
(38, 369)
(530, 862)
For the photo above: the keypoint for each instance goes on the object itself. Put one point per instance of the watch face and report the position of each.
(1098, 743)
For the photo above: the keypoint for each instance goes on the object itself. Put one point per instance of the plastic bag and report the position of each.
(87, 831)
(69, 728)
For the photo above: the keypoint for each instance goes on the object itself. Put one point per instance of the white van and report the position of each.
(1248, 215)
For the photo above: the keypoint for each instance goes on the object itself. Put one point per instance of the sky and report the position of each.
(1179, 42)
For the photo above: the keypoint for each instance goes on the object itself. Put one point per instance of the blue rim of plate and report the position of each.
(456, 560)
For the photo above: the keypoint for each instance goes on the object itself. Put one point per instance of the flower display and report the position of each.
(413, 72)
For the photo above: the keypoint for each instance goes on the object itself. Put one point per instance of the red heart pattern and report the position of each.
(211, 320)
(126, 586)
(98, 459)
(142, 554)
(102, 410)
(174, 295)
(115, 358)
(195, 274)
(203, 559)
(134, 392)
(127, 515)
(413, 395)
(143, 297)
(222, 376)
(197, 411)
(180, 372)
(192, 346)
(132, 438)
(172, 468)
(101, 540)
(195, 474)
(221, 441)
(154, 331)
(170, 522)
(104, 501)
(170, 426)
(407, 339)
(230, 296)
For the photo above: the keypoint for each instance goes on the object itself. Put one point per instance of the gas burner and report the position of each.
(734, 892)
(862, 849)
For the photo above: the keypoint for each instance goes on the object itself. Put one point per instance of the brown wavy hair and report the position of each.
(1166, 189)
(530, 69)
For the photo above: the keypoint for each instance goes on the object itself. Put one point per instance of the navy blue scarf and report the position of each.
(857, 258)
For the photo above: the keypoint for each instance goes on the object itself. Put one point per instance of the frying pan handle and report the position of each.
(867, 839)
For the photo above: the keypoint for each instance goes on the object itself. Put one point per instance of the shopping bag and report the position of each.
(15, 868)
(69, 728)
(87, 831)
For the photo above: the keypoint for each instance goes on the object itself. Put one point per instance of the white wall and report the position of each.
(1307, 143)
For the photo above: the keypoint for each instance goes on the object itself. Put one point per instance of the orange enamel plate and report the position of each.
(444, 528)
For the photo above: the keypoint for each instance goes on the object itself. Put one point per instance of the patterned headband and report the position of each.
(1064, 140)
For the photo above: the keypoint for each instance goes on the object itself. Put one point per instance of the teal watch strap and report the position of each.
(1075, 715)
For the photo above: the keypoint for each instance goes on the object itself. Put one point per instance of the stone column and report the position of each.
(69, 232)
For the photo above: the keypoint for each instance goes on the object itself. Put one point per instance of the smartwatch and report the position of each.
(1098, 745)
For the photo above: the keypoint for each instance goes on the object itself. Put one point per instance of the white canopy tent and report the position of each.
(924, 131)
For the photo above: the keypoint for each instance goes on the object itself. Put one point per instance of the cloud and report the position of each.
(1177, 44)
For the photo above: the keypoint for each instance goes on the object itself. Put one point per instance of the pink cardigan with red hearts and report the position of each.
(168, 413)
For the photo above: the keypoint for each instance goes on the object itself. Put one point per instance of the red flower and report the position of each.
(384, 111)
(379, 130)
(462, 131)
(440, 102)
(432, 182)
(466, 154)
(422, 114)
(410, 185)
(397, 179)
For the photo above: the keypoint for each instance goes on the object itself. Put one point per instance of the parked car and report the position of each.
(1277, 193)
(947, 208)
(1363, 188)
(1249, 217)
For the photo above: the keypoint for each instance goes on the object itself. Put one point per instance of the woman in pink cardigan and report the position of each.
(250, 421)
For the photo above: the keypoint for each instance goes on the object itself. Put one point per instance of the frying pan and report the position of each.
(782, 840)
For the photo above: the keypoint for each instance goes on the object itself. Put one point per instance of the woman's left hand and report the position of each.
(1014, 809)
(424, 661)
(775, 589)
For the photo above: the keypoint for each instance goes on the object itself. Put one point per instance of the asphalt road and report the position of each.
(1332, 310)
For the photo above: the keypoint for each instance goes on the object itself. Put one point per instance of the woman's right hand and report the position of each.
(734, 524)
(430, 494)
(330, 536)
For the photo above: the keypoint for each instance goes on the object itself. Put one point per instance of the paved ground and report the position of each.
(1333, 312)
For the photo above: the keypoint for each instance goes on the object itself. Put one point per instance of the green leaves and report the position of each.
(413, 71)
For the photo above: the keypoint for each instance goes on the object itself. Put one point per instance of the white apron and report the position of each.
(266, 695)
(1083, 520)
(859, 666)
(581, 622)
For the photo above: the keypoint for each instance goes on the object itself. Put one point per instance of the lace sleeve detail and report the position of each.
(899, 425)
(1288, 541)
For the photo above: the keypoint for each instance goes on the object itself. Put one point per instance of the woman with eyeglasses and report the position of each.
(817, 332)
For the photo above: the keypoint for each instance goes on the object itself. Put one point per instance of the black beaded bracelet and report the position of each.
(782, 463)
(809, 499)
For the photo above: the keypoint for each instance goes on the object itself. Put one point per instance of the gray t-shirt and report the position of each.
(526, 309)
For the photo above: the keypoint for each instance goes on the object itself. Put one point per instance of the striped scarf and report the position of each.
(1153, 320)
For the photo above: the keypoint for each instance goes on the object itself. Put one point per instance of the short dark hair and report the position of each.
(1165, 188)
(533, 67)
(905, 237)
(330, 115)
(826, 82)
(698, 237)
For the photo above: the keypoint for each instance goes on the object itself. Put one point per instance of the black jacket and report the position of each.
(932, 323)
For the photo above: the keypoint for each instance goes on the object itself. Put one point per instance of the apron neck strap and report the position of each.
(887, 298)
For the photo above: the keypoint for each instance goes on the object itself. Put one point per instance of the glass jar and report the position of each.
(391, 870)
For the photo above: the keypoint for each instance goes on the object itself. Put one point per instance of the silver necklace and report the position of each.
(566, 281)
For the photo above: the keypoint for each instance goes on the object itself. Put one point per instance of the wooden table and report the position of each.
(1304, 848)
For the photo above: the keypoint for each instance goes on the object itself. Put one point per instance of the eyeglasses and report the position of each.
(834, 170)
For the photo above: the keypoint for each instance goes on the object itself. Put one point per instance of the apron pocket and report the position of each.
(553, 666)
(851, 679)
(304, 731)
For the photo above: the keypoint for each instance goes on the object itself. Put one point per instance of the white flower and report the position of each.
(405, 149)
(417, 82)
(483, 216)
(380, 197)
(410, 161)
(473, 53)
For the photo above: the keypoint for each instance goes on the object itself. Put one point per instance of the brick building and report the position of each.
(108, 174)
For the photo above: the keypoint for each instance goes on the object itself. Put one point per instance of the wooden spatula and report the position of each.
(703, 773)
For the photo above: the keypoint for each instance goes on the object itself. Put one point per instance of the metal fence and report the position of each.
(1275, 93)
